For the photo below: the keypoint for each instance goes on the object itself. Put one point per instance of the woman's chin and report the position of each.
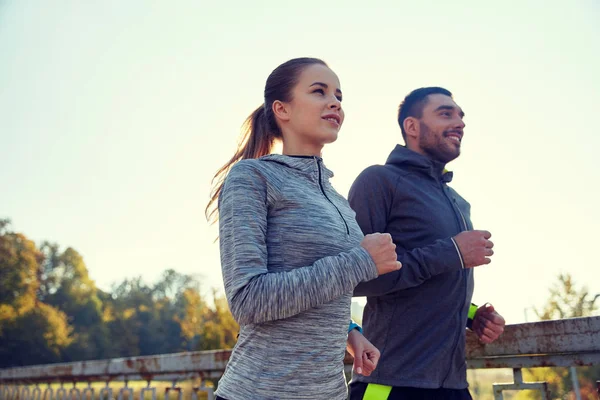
(330, 137)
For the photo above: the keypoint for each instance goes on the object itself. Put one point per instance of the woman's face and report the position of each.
(314, 115)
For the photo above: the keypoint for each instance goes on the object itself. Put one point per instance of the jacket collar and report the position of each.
(401, 155)
(305, 164)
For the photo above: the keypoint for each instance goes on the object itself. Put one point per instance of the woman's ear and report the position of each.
(281, 110)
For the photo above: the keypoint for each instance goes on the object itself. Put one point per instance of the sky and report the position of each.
(114, 116)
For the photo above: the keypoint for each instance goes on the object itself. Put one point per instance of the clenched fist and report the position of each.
(475, 247)
(382, 251)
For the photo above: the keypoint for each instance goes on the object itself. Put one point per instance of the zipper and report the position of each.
(461, 215)
(464, 276)
(324, 194)
(452, 206)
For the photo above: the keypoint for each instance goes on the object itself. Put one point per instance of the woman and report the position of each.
(291, 251)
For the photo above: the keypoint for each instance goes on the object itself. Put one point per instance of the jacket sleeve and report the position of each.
(371, 197)
(256, 295)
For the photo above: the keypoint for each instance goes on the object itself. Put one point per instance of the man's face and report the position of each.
(440, 129)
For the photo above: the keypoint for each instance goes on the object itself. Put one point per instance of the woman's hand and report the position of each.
(366, 356)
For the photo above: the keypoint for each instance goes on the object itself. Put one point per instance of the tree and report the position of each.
(39, 336)
(163, 318)
(19, 266)
(565, 301)
(51, 310)
(31, 332)
(191, 309)
(66, 285)
(220, 329)
(4, 225)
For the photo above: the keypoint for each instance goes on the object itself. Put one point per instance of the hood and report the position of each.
(402, 156)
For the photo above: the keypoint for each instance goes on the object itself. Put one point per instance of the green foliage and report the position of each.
(30, 330)
(19, 266)
(4, 225)
(38, 336)
(220, 329)
(565, 301)
(52, 311)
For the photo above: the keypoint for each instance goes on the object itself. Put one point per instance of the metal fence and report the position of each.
(561, 343)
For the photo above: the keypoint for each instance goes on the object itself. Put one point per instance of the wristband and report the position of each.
(471, 315)
(472, 311)
(354, 325)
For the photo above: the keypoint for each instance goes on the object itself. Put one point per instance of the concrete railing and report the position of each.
(565, 343)
(562, 343)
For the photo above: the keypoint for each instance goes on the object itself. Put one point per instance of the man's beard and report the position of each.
(435, 146)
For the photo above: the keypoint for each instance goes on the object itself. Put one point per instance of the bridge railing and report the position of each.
(562, 343)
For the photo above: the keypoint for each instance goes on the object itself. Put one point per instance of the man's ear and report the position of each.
(281, 110)
(412, 127)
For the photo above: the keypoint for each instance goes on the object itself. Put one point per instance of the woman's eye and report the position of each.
(321, 91)
(339, 98)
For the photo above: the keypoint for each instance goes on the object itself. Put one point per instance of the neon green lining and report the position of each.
(377, 392)
(472, 311)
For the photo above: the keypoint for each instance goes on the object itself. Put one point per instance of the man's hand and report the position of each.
(366, 356)
(488, 324)
(475, 247)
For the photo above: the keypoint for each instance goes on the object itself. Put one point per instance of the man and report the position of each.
(417, 316)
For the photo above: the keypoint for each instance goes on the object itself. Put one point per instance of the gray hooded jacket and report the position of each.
(290, 257)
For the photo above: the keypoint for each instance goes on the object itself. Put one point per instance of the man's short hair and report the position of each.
(414, 102)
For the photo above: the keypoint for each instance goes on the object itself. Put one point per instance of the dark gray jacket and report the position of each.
(290, 256)
(417, 315)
